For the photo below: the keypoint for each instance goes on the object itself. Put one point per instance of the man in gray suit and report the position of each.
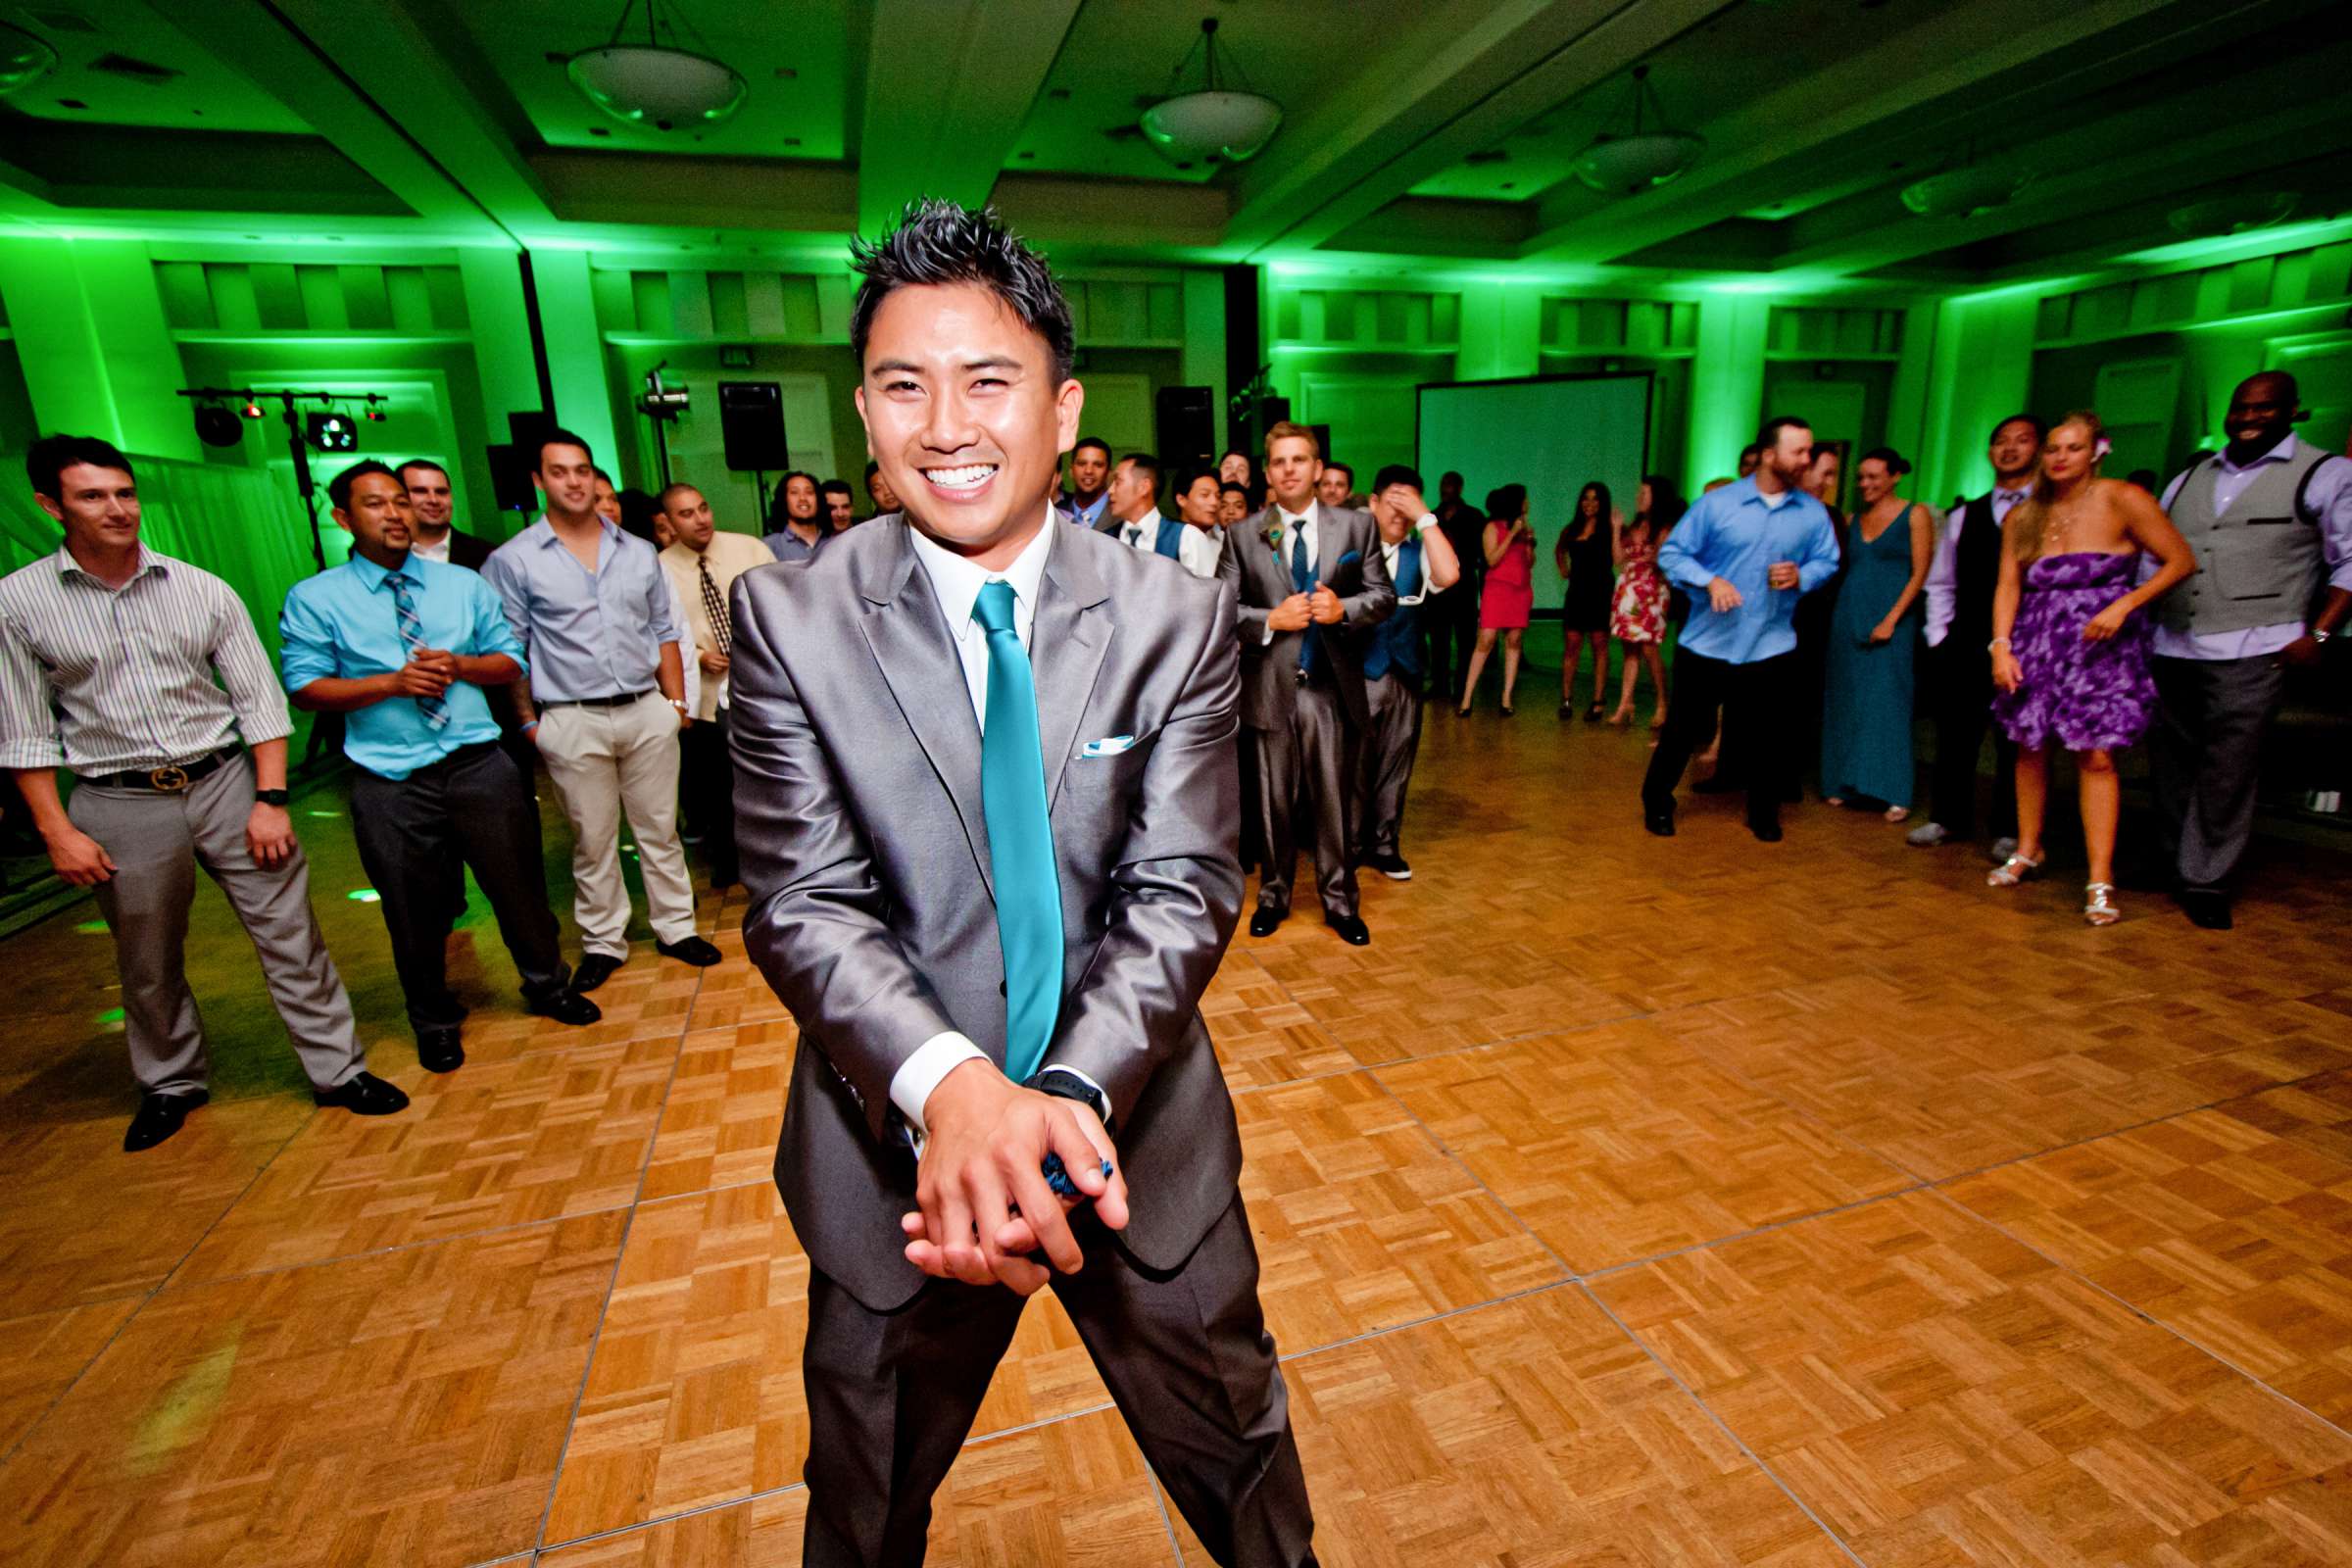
(985, 802)
(1309, 578)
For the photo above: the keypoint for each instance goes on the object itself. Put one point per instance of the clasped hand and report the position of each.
(430, 673)
(985, 1205)
(1293, 613)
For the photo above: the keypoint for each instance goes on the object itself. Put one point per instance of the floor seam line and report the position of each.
(620, 1254)
(393, 1250)
(699, 1509)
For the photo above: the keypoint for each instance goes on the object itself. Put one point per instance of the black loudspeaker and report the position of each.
(1187, 427)
(510, 465)
(751, 419)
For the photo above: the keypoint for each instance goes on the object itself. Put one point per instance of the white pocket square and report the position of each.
(1107, 746)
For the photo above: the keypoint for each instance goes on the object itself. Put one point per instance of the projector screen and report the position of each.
(1549, 433)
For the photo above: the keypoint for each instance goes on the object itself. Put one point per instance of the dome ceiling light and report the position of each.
(1218, 119)
(2233, 215)
(24, 59)
(1965, 192)
(654, 83)
(1642, 157)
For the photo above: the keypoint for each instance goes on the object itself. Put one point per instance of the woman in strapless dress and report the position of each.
(2070, 648)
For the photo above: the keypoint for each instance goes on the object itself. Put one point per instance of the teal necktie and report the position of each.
(1020, 841)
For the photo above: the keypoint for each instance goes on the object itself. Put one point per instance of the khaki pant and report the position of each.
(605, 760)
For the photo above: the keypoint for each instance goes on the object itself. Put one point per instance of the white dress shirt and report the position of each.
(1143, 533)
(955, 582)
(1389, 552)
(2329, 497)
(1943, 572)
(436, 550)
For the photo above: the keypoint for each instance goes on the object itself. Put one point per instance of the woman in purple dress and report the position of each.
(2070, 652)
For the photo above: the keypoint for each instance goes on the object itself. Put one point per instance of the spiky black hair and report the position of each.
(939, 242)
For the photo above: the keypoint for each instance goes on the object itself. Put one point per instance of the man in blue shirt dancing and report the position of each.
(405, 645)
(1745, 554)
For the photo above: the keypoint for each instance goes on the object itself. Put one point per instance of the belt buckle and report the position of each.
(170, 779)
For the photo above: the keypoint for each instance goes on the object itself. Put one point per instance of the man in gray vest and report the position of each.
(2270, 520)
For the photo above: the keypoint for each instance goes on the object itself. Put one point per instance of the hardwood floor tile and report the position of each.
(1361, 1222)
(534, 1137)
(41, 1355)
(1940, 1395)
(398, 1410)
(1263, 1037)
(2240, 1241)
(1532, 1433)
(724, 1110)
(1614, 1144)
(2316, 1113)
(1073, 1494)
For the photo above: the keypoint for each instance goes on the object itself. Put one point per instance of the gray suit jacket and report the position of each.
(857, 813)
(1260, 572)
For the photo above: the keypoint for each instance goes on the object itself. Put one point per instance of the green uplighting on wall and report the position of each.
(363, 896)
(112, 1015)
(91, 928)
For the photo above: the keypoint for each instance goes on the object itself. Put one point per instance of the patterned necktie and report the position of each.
(722, 631)
(1302, 580)
(411, 633)
(1020, 841)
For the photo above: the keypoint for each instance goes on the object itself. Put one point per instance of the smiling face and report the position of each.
(1332, 489)
(2014, 451)
(1875, 481)
(964, 415)
(1234, 469)
(1233, 505)
(2261, 412)
(428, 498)
(838, 512)
(1199, 502)
(2070, 453)
(99, 507)
(1821, 477)
(380, 524)
(1293, 470)
(1089, 466)
(687, 511)
(566, 479)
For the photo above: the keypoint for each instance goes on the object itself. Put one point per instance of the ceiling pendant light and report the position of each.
(2237, 214)
(1627, 165)
(1965, 192)
(1214, 120)
(24, 58)
(652, 84)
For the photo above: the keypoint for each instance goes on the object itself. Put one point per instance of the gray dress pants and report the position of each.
(1310, 764)
(157, 841)
(2206, 756)
(1388, 749)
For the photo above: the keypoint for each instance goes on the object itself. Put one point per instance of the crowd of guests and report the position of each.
(2062, 609)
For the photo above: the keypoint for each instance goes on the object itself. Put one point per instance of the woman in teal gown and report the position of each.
(1866, 711)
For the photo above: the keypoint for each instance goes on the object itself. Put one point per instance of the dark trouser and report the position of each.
(1389, 748)
(710, 782)
(1758, 702)
(1186, 1356)
(157, 841)
(1959, 681)
(468, 808)
(1451, 630)
(524, 752)
(2207, 756)
(1310, 764)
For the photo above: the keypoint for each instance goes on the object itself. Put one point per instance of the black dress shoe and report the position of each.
(1391, 867)
(690, 950)
(2206, 908)
(1265, 922)
(159, 1117)
(1351, 929)
(1766, 832)
(1659, 819)
(594, 970)
(439, 1049)
(363, 1094)
(563, 1006)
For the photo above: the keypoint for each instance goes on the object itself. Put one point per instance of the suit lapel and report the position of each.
(907, 633)
(1327, 542)
(1066, 649)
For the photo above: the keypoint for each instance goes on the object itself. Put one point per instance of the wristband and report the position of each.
(532, 725)
(277, 797)
(1429, 520)
(1999, 645)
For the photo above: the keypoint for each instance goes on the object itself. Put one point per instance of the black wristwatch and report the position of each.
(271, 796)
(1067, 1084)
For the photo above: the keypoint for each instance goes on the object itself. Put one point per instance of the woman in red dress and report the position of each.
(1509, 596)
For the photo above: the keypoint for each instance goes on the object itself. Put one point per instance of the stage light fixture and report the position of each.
(251, 409)
(330, 432)
(1630, 164)
(1214, 120)
(219, 426)
(655, 83)
(375, 415)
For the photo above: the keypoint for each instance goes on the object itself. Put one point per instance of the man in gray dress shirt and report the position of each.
(108, 654)
(607, 704)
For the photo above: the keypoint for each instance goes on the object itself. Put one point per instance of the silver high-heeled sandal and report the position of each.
(2010, 872)
(2098, 903)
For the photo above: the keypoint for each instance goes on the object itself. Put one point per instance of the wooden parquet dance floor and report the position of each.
(1626, 1202)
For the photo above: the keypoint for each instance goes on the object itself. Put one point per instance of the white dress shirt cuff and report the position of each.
(912, 1085)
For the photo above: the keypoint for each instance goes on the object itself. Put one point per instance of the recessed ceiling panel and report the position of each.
(120, 64)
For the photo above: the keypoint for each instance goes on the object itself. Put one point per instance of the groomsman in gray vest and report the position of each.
(2270, 520)
(1421, 564)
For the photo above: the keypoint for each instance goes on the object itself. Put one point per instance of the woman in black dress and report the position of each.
(1585, 556)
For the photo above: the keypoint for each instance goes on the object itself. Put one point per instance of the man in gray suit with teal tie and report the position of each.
(986, 798)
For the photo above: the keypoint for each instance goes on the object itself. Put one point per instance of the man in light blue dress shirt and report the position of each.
(404, 647)
(608, 701)
(1745, 554)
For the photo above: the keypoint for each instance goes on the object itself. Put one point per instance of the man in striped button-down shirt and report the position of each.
(108, 654)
